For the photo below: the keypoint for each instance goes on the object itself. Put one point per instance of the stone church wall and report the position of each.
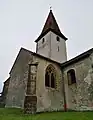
(48, 99)
(4, 93)
(18, 81)
(79, 95)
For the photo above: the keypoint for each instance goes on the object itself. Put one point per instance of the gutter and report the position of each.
(64, 94)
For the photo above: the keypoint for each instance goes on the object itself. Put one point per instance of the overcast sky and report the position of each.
(21, 22)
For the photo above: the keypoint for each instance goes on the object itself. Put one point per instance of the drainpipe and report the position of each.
(64, 94)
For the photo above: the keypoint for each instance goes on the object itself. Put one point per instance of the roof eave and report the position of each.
(59, 34)
(77, 58)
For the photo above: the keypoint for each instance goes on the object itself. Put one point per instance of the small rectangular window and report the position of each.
(58, 49)
(58, 39)
(43, 40)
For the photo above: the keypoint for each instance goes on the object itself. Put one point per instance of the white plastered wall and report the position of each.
(50, 47)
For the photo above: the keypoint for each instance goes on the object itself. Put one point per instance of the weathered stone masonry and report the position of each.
(30, 102)
(78, 95)
(18, 80)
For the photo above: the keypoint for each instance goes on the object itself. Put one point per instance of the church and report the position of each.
(45, 81)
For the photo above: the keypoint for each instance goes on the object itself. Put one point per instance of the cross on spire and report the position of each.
(50, 7)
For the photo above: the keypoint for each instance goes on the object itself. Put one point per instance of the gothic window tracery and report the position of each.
(50, 76)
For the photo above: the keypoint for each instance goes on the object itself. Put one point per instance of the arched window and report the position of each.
(71, 76)
(50, 76)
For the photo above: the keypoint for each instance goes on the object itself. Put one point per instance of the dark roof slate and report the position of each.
(51, 25)
(77, 58)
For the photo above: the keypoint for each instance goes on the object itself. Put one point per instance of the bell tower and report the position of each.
(52, 43)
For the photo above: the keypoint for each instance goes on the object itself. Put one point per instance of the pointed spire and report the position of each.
(51, 25)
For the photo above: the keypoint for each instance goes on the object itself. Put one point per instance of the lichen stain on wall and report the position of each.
(85, 92)
(82, 99)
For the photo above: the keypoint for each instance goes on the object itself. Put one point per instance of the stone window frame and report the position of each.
(50, 77)
(71, 76)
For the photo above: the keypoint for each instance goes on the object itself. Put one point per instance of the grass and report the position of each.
(17, 114)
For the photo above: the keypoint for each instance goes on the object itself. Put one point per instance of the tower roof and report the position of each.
(51, 25)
